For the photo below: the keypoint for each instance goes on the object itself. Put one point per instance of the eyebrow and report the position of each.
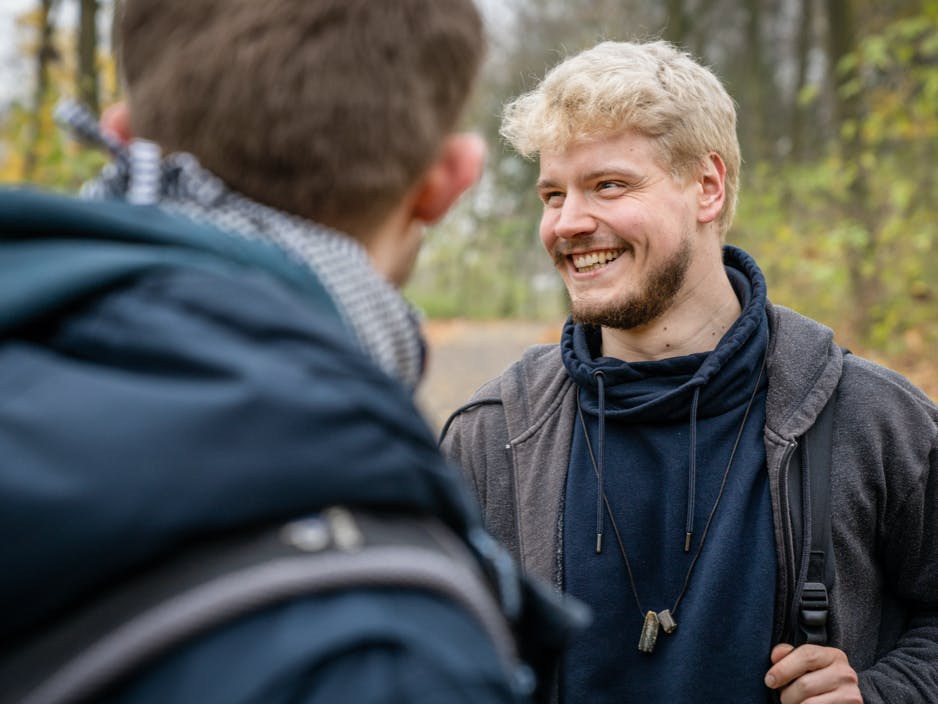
(608, 171)
(595, 175)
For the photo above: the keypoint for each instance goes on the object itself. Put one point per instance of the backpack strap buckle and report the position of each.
(813, 611)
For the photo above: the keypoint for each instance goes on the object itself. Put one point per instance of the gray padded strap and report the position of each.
(410, 554)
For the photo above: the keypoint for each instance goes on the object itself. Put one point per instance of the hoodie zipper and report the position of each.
(787, 565)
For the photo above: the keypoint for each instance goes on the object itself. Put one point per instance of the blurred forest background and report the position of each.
(838, 120)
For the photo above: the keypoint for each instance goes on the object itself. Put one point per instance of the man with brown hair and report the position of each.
(206, 355)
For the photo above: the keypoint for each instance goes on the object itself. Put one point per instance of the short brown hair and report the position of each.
(328, 109)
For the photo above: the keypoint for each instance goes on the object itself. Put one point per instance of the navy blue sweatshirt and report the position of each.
(651, 427)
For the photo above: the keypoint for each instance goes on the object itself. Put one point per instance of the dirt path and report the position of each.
(465, 354)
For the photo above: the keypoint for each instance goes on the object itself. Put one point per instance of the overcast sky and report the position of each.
(13, 76)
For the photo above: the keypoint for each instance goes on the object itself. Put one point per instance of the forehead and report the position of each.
(627, 152)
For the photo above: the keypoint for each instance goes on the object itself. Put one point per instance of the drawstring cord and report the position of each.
(599, 469)
(605, 500)
(600, 487)
(691, 472)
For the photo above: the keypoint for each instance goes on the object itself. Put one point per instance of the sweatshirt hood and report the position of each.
(678, 389)
(664, 389)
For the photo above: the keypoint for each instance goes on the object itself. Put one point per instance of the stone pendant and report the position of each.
(667, 621)
(646, 643)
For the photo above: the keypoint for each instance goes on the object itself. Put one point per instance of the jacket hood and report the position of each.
(798, 392)
(59, 251)
(185, 405)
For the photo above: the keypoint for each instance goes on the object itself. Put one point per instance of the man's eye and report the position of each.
(552, 198)
(610, 186)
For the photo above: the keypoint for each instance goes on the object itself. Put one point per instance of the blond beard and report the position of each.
(661, 286)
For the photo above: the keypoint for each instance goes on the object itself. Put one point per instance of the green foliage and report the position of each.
(851, 237)
(60, 163)
(32, 147)
(486, 269)
(845, 233)
(845, 227)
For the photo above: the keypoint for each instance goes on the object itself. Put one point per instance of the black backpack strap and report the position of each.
(809, 480)
(204, 587)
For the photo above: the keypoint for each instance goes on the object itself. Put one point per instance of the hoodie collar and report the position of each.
(664, 389)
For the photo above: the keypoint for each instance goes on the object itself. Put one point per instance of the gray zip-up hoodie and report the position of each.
(513, 440)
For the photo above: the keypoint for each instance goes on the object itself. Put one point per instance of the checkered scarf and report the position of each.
(386, 326)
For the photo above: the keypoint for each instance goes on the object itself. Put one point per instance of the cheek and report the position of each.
(546, 230)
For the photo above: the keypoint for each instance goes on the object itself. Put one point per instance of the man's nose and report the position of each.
(575, 218)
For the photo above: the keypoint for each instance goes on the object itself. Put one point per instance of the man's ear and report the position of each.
(116, 121)
(711, 183)
(457, 166)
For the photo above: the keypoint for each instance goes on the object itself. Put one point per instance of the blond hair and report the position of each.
(651, 88)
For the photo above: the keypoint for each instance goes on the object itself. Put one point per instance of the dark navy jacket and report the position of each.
(163, 382)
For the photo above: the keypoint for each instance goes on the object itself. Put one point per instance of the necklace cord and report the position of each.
(604, 500)
(692, 472)
(726, 474)
(601, 488)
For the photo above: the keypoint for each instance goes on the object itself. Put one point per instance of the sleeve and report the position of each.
(474, 438)
(908, 671)
(477, 442)
(453, 448)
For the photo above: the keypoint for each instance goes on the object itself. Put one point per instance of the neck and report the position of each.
(699, 316)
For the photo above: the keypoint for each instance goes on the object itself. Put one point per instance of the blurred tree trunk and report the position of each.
(756, 69)
(842, 40)
(677, 26)
(116, 14)
(87, 65)
(863, 254)
(799, 140)
(703, 27)
(45, 53)
(760, 85)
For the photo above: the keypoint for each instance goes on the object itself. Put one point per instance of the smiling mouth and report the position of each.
(591, 261)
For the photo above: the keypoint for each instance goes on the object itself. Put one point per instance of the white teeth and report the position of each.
(594, 260)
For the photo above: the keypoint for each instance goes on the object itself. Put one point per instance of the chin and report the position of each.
(624, 315)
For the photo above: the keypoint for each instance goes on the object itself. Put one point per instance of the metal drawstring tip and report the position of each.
(687, 537)
(599, 543)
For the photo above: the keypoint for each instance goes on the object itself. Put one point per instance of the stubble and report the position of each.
(658, 292)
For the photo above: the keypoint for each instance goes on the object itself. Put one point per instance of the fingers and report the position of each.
(813, 674)
(796, 662)
(780, 651)
(822, 687)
